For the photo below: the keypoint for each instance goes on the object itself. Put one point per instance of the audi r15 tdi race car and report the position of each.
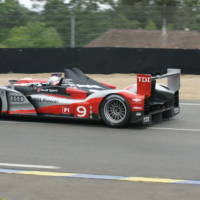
(77, 96)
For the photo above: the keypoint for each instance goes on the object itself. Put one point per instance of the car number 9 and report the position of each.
(82, 111)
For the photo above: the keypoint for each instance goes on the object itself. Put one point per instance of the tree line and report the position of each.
(82, 21)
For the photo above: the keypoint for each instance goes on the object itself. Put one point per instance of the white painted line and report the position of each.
(28, 166)
(175, 129)
(190, 104)
(22, 122)
(3, 121)
(18, 122)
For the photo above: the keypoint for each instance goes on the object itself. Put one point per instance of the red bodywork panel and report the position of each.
(81, 107)
(77, 109)
(135, 101)
(108, 85)
(76, 93)
(144, 84)
(29, 81)
(22, 112)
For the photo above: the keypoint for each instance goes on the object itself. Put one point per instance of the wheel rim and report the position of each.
(115, 110)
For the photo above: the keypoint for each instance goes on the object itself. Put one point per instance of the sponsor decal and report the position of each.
(144, 79)
(45, 100)
(47, 90)
(17, 99)
(137, 100)
(66, 110)
(53, 90)
(146, 119)
(144, 84)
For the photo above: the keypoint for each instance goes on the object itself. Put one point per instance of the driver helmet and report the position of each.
(54, 79)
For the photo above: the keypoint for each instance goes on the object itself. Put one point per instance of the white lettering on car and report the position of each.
(66, 110)
(144, 79)
(82, 111)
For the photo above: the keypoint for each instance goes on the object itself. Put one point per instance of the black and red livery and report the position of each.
(77, 96)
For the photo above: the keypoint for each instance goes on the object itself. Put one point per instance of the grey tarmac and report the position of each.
(92, 148)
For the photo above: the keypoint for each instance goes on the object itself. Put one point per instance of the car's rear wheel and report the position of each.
(115, 111)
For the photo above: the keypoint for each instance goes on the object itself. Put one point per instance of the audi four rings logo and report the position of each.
(18, 99)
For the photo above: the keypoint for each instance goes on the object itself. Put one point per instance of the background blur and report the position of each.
(100, 23)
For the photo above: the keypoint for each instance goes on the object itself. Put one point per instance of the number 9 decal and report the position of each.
(81, 111)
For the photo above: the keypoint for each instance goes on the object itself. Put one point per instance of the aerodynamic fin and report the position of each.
(146, 82)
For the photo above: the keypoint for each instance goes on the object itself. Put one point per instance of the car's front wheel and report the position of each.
(115, 111)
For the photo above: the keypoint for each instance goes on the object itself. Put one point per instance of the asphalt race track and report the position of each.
(52, 159)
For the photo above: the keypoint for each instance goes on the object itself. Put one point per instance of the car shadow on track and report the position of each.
(77, 122)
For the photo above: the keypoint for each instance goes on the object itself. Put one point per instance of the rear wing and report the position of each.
(146, 83)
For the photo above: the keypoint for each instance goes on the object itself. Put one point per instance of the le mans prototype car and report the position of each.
(77, 96)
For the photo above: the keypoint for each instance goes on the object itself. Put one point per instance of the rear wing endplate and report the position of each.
(145, 82)
(173, 79)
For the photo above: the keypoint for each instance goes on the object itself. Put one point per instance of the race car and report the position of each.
(75, 95)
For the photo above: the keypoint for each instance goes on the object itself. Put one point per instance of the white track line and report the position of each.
(175, 129)
(3, 121)
(190, 104)
(21, 122)
(28, 166)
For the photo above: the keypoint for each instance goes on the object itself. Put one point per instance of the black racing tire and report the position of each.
(115, 111)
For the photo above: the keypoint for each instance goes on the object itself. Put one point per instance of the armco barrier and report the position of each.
(99, 60)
